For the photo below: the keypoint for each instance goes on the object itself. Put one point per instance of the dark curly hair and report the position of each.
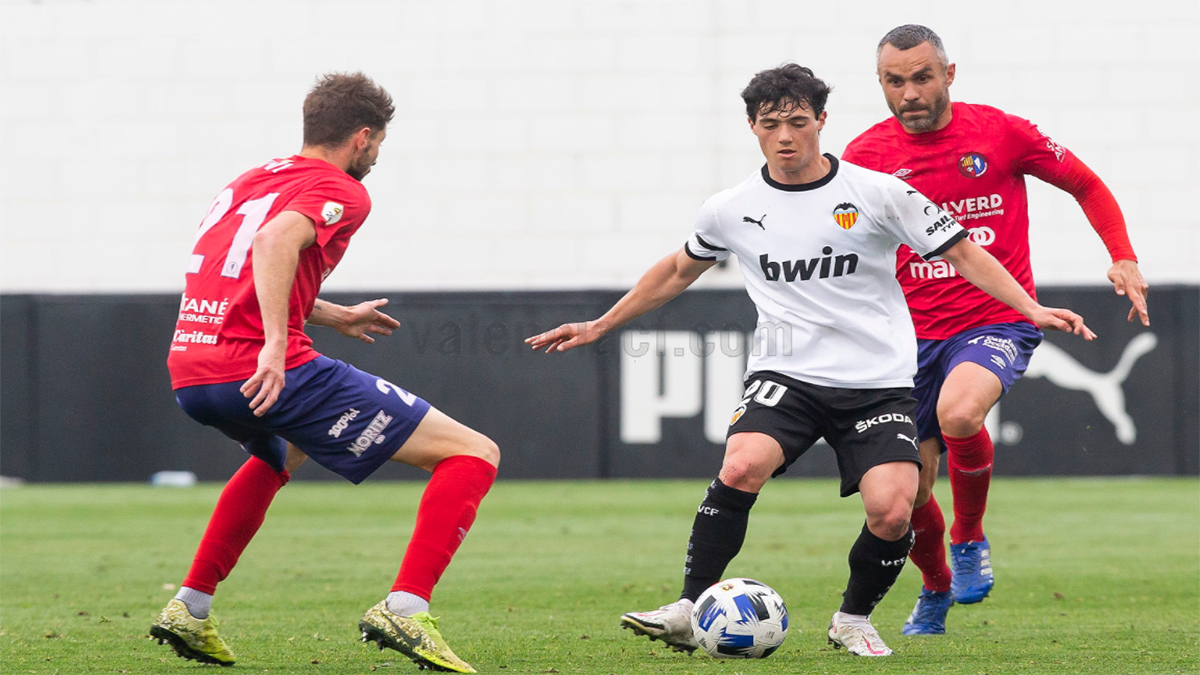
(341, 104)
(783, 88)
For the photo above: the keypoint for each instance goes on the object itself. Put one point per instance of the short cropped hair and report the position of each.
(784, 87)
(910, 35)
(341, 104)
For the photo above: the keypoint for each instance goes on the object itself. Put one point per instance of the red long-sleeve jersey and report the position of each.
(975, 169)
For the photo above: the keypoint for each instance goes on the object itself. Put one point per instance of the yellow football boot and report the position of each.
(190, 637)
(416, 637)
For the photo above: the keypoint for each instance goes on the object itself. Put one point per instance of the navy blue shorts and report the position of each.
(1003, 348)
(348, 421)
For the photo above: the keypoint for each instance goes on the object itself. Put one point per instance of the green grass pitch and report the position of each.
(1093, 576)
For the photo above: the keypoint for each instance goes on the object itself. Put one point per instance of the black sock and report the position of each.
(875, 565)
(717, 536)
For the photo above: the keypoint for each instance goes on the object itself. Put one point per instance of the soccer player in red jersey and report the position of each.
(972, 161)
(240, 362)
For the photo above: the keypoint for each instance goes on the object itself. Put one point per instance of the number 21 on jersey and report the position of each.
(253, 213)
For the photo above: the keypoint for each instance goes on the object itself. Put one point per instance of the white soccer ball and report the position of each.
(740, 619)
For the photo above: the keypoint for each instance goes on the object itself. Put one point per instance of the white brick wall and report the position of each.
(543, 143)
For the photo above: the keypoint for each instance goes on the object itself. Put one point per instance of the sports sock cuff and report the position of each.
(260, 470)
(470, 462)
(404, 603)
(924, 514)
(884, 548)
(199, 603)
(970, 453)
(729, 497)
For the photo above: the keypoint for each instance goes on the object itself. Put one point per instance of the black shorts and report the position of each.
(865, 427)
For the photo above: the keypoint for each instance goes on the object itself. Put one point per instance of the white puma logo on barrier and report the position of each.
(1060, 368)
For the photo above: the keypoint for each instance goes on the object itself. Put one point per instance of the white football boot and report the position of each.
(857, 635)
(670, 623)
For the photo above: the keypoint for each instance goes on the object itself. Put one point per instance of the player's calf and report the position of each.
(875, 564)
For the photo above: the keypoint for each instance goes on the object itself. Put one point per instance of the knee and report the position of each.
(960, 419)
(487, 450)
(744, 476)
(475, 445)
(750, 459)
(891, 523)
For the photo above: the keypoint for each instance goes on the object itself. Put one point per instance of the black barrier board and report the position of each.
(85, 395)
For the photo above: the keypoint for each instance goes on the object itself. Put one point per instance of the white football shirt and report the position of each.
(820, 265)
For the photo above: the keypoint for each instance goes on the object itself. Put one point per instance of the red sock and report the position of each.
(446, 512)
(970, 465)
(929, 547)
(239, 513)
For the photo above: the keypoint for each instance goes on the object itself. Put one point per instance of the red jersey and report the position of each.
(975, 168)
(220, 331)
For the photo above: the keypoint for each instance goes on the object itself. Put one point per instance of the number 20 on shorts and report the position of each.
(764, 392)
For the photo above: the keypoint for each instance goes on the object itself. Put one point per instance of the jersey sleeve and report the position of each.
(706, 242)
(914, 220)
(333, 205)
(858, 152)
(1041, 157)
(1037, 154)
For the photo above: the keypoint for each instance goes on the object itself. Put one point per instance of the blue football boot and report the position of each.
(972, 563)
(929, 616)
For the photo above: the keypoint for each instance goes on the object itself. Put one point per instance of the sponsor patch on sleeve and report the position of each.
(332, 212)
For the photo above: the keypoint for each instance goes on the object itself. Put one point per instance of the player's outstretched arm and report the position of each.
(980, 268)
(354, 321)
(665, 280)
(1069, 173)
(277, 249)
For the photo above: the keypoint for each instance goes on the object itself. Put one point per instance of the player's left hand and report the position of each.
(365, 318)
(268, 381)
(1127, 280)
(1064, 320)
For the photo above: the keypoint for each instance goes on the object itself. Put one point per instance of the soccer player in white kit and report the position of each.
(835, 349)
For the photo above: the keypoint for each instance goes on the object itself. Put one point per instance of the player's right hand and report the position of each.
(568, 336)
(267, 382)
(1127, 280)
(1064, 320)
(364, 318)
